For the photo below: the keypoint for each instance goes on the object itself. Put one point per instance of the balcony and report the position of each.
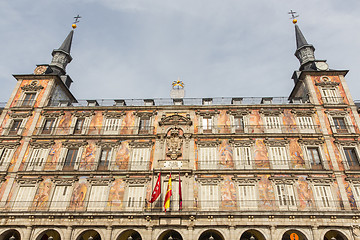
(333, 100)
(23, 103)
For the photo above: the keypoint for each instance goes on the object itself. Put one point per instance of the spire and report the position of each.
(66, 46)
(300, 39)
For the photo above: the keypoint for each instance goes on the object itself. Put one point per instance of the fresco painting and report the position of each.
(266, 193)
(88, 160)
(116, 194)
(261, 155)
(122, 156)
(196, 124)
(4, 123)
(53, 158)
(289, 121)
(15, 156)
(296, 155)
(226, 155)
(224, 122)
(128, 123)
(350, 194)
(63, 127)
(255, 122)
(41, 198)
(305, 195)
(228, 194)
(337, 156)
(18, 94)
(95, 126)
(3, 186)
(337, 198)
(79, 194)
(29, 122)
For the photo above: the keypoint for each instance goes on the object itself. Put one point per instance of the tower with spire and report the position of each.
(61, 56)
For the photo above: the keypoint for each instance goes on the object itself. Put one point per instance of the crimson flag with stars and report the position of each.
(157, 190)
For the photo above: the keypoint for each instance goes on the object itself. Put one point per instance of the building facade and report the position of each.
(248, 168)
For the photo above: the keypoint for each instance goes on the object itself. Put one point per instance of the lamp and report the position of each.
(170, 238)
(130, 238)
(333, 238)
(252, 237)
(211, 237)
(90, 238)
(12, 237)
(50, 238)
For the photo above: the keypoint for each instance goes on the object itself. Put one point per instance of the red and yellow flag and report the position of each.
(168, 195)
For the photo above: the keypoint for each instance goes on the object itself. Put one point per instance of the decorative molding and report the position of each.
(20, 115)
(346, 142)
(68, 144)
(321, 180)
(208, 143)
(138, 180)
(141, 144)
(337, 113)
(11, 145)
(175, 120)
(174, 143)
(64, 181)
(33, 180)
(33, 86)
(276, 142)
(283, 180)
(271, 112)
(209, 180)
(246, 180)
(326, 82)
(100, 181)
(318, 141)
(207, 113)
(42, 144)
(303, 112)
(83, 114)
(353, 180)
(242, 143)
(113, 114)
(239, 113)
(107, 144)
(145, 114)
(52, 114)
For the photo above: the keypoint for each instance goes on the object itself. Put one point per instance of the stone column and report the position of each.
(190, 233)
(27, 233)
(68, 233)
(272, 232)
(108, 233)
(232, 232)
(315, 232)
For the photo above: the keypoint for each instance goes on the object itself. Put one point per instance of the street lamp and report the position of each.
(50, 238)
(333, 238)
(170, 238)
(252, 237)
(90, 238)
(211, 237)
(130, 238)
(12, 237)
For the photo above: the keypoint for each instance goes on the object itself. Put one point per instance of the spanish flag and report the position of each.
(168, 195)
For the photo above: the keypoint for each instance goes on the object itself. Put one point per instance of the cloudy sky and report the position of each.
(219, 48)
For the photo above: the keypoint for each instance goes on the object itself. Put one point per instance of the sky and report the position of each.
(135, 49)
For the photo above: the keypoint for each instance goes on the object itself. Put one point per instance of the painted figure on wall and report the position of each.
(122, 156)
(224, 123)
(296, 154)
(226, 155)
(43, 193)
(306, 198)
(266, 193)
(88, 163)
(261, 156)
(228, 195)
(79, 194)
(116, 194)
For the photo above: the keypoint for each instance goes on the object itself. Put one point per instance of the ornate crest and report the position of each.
(174, 143)
(175, 120)
(33, 86)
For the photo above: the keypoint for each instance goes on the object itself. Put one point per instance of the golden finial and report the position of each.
(76, 21)
(178, 83)
(293, 16)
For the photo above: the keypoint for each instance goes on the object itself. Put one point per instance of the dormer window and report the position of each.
(267, 100)
(207, 101)
(29, 99)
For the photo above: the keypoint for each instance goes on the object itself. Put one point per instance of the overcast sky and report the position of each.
(219, 48)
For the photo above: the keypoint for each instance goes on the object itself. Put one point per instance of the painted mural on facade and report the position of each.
(289, 121)
(261, 155)
(41, 198)
(226, 155)
(88, 161)
(122, 156)
(255, 122)
(266, 193)
(44, 83)
(305, 194)
(77, 200)
(296, 155)
(224, 122)
(228, 194)
(116, 194)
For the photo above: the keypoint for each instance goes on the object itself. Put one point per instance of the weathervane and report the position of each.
(178, 83)
(293, 16)
(76, 21)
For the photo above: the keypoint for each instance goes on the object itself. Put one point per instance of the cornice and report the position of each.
(208, 143)
(242, 143)
(207, 113)
(83, 114)
(11, 145)
(283, 179)
(209, 180)
(271, 112)
(20, 114)
(108, 144)
(108, 114)
(175, 119)
(145, 114)
(276, 142)
(321, 180)
(303, 112)
(68, 144)
(29, 180)
(137, 180)
(46, 113)
(64, 181)
(42, 144)
(318, 141)
(146, 144)
(101, 180)
(245, 180)
(239, 112)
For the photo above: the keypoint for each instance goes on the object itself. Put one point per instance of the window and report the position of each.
(209, 195)
(135, 198)
(98, 198)
(306, 124)
(243, 157)
(15, 128)
(351, 157)
(272, 124)
(285, 195)
(356, 192)
(340, 126)
(207, 158)
(314, 157)
(49, 125)
(61, 198)
(24, 197)
(239, 124)
(105, 158)
(79, 125)
(6, 155)
(144, 125)
(330, 96)
(207, 124)
(70, 159)
(247, 197)
(37, 159)
(278, 157)
(140, 158)
(323, 196)
(29, 100)
(112, 126)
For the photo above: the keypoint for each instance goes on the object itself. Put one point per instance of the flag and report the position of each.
(157, 190)
(168, 195)
(180, 194)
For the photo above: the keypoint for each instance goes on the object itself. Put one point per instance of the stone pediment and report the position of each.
(175, 120)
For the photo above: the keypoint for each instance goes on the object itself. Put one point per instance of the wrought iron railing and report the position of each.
(333, 100)
(236, 129)
(23, 103)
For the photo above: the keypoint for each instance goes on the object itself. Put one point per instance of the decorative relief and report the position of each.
(69, 144)
(52, 114)
(321, 180)
(145, 114)
(42, 144)
(276, 142)
(209, 180)
(174, 143)
(113, 114)
(208, 143)
(271, 112)
(83, 114)
(303, 113)
(64, 181)
(175, 120)
(108, 144)
(318, 141)
(337, 113)
(40, 70)
(283, 180)
(34, 180)
(141, 144)
(239, 113)
(243, 180)
(20, 115)
(100, 181)
(242, 143)
(207, 113)
(326, 82)
(11, 145)
(33, 86)
(346, 142)
(353, 180)
(139, 180)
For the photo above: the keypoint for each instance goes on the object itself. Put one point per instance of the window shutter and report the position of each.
(112, 125)
(98, 198)
(247, 197)
(291, 195)
(135, 197)
(6, 156)
(61, 160)
(356, 192)
(323, 196)
(349, 124)
(78, 158)
(22, 126)
(272, 122)
(86, 125)
(24, 197)
(60, 198)
(140, 158)
(201, 119)
(279, 157)
(6, 129)
(33, 159)
(72, 125)
(306, 124)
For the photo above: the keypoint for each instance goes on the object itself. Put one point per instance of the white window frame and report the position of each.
(323, 161)
(320, 202)
(10, 123)
(356, 192)
(85, 126)
(247, 196)
(115, 127)
(330, 95)
(244, 157)
(273, 124)
(283, 162)
(6, 153)
(23, 96)
(37, 159)
(286, 195)
(139, 203)
(97, 201)
(54, 127)
(208, 201)
(347, 120)
(60, 204)
(63, 154)
(24, 205)
(345, 161)
(142, 153)
(205, 155)
(245, 120)
(305, 124)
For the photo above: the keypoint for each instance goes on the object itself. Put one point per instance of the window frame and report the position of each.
(141, 201)
(31, 101)
(253, 202)
(212, 149)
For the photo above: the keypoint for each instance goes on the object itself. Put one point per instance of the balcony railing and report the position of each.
(343, 129)
(23, 103)
(119, 206)
(333, 100)
(260, 129)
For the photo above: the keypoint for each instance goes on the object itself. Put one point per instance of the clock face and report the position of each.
(40, 70)
(322, 66)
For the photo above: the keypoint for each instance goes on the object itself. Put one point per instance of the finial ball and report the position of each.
(294, 21)
(73, 26)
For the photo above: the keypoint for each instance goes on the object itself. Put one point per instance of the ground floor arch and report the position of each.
(129, 235)
(11, 234)
(211, 235)
(89, 235)
(293, 234)
(50, 234)
(334, 235)
(170, 235)
(252, 234)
